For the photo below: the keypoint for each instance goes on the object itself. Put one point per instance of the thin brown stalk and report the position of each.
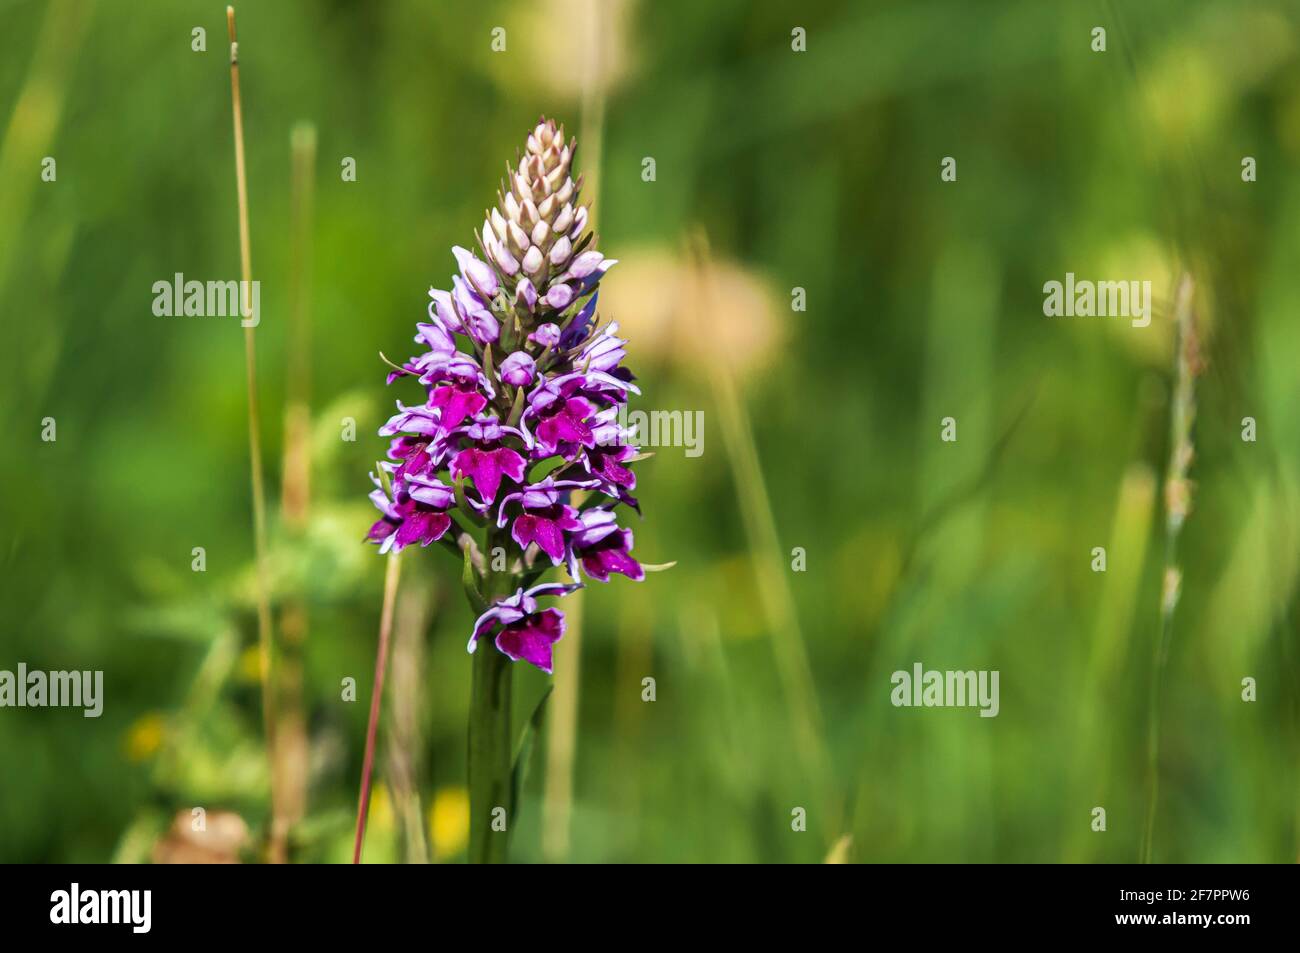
(391, 576)
(264, 636)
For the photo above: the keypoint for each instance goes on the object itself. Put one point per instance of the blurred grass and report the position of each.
(817, 170)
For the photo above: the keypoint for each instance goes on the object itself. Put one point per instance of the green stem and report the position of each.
(489, 755)
(490, 744)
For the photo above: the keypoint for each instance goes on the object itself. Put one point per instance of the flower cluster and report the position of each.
(524, 386)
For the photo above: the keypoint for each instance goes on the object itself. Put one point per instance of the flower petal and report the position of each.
(531, 639)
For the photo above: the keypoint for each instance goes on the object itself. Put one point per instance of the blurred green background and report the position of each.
(816, 170)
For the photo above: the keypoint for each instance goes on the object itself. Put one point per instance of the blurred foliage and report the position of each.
(818, 170)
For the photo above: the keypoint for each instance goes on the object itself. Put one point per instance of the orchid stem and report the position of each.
(489, 756)
(490, 744)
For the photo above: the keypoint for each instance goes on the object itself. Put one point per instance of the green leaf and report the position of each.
(544, 467)
(533, 727)
(517, 411)
(383, 478)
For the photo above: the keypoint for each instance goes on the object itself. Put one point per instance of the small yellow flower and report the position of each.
(145, 736)
(449, 821)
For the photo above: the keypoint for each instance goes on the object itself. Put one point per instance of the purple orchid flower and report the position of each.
(545, 517)
(442, 362)
(456, 402)
(488, 461)
(565, 423)
(414, 455)
(564, 411)
(435, 336)
(519, 317)
(412, 420)
(408, 519)
(442, 309)
(586, 271)
(602, 352)
(463, 309)
(436, 363)
(559, 416)
(602, 547)
(456, 368)
(476, 317)
(613, 449)
(525, 632)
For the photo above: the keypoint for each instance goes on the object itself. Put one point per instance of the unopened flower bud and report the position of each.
(559, 297)
(533, 261)
(547, 335)
(518, 369)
